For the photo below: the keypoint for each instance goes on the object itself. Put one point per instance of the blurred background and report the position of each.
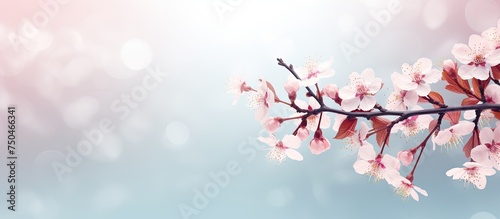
(122, 107)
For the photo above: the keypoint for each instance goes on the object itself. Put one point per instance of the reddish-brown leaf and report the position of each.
(463, 83)
(346, 129)
(436, 96)
(381, 137)
(496, 114)
(380, 124)
(432, 124)
(454, 88)
(475, 87)
(496, 72)
(453, 117)
(447, 77)
(422, 100)
(473, 142)
(468, 101)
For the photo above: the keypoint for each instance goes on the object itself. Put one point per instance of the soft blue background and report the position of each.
(146, 170)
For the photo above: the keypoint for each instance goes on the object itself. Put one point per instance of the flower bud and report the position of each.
(291, 87)
(272, 124)
(406, 157)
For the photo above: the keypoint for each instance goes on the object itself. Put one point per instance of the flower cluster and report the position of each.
(475, 77)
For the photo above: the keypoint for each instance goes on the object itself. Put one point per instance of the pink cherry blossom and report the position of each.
(283, 148)
(319, 144)
(262, 100)
(237, 85)
(360, 93)
(291, 87)
(312, 120)
(377, 166)
(488, 152)
(405, 188)
(493, 36)
(358, 139)
(417, 77)
(449, 66)
(401, 99)
(272, 124)
(331, 91)
(406, 157)
(452, 136)
(414, 124)
(492, 93)
(472, 172)
(477, 57)
(314, 71)
(303, 133)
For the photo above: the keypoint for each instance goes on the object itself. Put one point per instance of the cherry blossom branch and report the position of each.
(292, 71)
(477, 79)
(402, 114)
(424, 142)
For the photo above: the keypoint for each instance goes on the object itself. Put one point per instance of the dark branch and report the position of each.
(290, 69)
(402, 114)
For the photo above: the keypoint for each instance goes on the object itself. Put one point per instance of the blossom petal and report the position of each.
(463, 128)
(366, 152)
(443, 137)
(424, 63)
(470, 114)
(433, 76)
(375, 85)
(480, 182)
(404, 82)
(301, 104)
(496, 134)
(368, 75)
(361, 166)
(410, 99)
(454, 171)
(367, 103)
(350, 104)
(486, 135)
(466, 71)
(261, 113)
(494, 58)
(347, 92)
(488, 171)
(291, 141)
(461, 53)
(325, 122)
(414, 195)
(481, 72)
(271, 141)
(391, 162)
(420, 190)
(423, 89)
(294, 155)
(480, 154)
